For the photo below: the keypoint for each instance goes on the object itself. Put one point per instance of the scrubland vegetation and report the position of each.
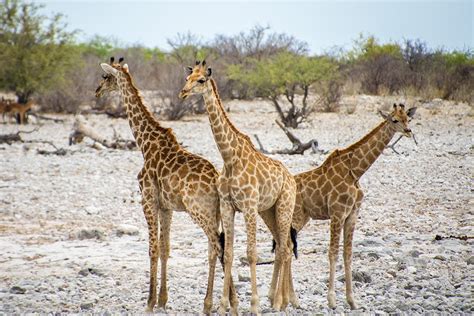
(41, 59)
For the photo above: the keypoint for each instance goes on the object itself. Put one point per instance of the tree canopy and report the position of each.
(35, 50)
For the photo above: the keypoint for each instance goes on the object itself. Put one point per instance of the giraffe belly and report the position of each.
(318, 212)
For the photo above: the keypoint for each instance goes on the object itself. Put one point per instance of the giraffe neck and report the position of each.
(369, 148)
(225, 133)
(145, 127)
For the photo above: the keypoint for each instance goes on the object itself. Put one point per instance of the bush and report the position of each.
(286, 75)
(35, 51)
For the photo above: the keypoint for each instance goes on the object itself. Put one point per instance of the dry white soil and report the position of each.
(73, 237)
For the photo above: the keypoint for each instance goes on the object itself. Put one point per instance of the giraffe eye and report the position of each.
(104, 76)
(201, 80)
(395, 121)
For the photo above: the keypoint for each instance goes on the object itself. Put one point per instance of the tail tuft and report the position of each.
(294, 234)
(222, 242)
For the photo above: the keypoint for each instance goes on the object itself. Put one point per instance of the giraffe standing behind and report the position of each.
(171, 179)
(251, 183)
(332, 191)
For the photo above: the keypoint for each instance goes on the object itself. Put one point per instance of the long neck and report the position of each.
(225, 133)
(369, 148)
(145, 127)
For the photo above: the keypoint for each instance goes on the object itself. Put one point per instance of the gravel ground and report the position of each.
(73, 236)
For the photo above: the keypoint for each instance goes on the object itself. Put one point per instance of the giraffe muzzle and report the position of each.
(98, 92)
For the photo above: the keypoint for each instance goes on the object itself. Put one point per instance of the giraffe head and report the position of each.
(197, 80)
(399, 118)
(109, 79)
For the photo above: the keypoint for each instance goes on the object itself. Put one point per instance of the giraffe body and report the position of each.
(172, 179)
(251, 183)
(332, 192)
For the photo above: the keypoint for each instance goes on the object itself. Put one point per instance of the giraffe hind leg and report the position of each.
(284, 209)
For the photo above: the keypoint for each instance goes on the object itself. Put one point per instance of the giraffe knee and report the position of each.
(252, 257)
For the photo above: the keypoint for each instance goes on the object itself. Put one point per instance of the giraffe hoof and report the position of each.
(353, 305)
(295, 302)
(149, 310)
(332, 300)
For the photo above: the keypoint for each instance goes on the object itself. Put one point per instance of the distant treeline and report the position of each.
(39, 58)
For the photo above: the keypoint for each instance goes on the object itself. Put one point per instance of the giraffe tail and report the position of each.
(293, 235)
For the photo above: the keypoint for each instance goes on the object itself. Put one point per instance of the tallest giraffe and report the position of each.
(251, 183)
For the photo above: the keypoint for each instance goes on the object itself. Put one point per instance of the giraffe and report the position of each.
(332, 191)
(251, 183)
(171, 179)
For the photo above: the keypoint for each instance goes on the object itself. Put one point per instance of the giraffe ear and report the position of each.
(109, 69)
(188, 70)
(388, 117)
(209, 72)
(125, 67)
(411, 112)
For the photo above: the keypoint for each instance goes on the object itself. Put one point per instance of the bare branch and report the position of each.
(298, 147)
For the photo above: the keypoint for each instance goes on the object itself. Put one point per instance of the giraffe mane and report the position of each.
(151, 118)
(363, 140)
(339, 152)
(224, 113)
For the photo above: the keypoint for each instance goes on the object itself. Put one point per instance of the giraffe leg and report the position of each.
(349, 227)
(207, 216)
(149, 205)
(227, 214)
(284, 214)
(165, 226)
(268, 217)
(234, 300)
(212, 258)
(251, 225)
(293, 298)
(336, 227)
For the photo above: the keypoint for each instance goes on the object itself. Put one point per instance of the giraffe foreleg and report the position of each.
(336, 227)
(349, 227)
(251, 224)
(228, 216)
(165, 225)
(149, 204)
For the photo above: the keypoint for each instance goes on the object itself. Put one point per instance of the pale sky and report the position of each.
(322, 24)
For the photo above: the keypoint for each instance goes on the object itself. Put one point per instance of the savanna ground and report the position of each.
(73, 237)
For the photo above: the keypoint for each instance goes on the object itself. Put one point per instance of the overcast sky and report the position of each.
(322, 24)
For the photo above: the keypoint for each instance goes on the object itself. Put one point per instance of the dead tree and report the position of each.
(80, 129)
(12, 138)
(298, 147)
